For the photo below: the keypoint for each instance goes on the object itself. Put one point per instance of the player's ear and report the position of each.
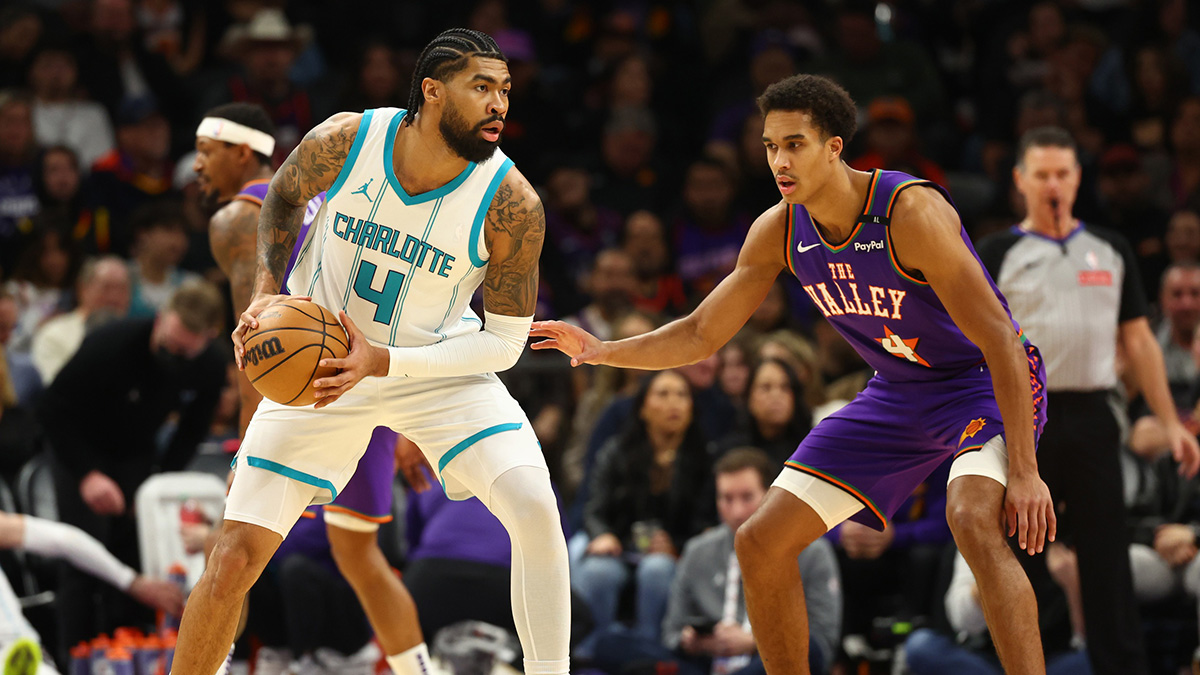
(835, 146)
(431, 89)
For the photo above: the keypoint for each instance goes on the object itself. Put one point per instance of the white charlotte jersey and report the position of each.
(404, 267)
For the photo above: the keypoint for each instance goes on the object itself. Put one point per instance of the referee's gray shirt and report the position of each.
(1069, 296)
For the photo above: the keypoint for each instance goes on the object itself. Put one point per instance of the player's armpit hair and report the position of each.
(516, 228)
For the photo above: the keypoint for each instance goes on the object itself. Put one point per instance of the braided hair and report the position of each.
(446, 55)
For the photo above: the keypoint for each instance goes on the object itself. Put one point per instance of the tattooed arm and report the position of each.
(515, 227)
(232, 235)
(311, 168)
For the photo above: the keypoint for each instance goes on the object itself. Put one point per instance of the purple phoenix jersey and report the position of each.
(931, 397)
(368, 495)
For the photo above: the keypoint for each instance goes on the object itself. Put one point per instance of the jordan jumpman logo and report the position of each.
(363, 190)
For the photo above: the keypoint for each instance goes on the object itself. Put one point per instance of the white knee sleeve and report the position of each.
(522, 499)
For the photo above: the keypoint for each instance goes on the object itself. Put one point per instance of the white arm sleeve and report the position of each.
(962, 609)
(497, 347)
(58, 540)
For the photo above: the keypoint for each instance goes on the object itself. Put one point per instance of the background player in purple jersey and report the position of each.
(885, 258)
(234, 166)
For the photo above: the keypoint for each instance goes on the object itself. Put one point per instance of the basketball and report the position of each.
(282, 354)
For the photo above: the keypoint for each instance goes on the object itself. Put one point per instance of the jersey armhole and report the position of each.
(360, 136)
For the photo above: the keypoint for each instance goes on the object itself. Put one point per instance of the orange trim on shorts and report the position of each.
(362, 516)
(307, 514)
(967, 449)
(866, 501)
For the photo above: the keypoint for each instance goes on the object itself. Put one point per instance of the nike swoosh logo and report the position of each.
(802, 248)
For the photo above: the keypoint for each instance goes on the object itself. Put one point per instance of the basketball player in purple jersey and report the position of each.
(234, 143)
(884, 257)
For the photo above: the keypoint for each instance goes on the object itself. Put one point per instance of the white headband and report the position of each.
(221, 129)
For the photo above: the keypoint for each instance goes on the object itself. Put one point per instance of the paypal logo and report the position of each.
(869, 246)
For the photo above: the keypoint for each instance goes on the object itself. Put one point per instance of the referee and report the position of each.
(1076, 292)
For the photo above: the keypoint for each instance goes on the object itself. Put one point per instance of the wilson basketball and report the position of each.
(282, 354)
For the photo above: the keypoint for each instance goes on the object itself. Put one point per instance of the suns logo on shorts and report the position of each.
(973, 427)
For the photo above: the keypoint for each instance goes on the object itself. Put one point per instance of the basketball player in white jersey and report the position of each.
(234, 143)
(421, 208)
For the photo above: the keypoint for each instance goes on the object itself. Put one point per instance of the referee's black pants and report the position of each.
(1078, 457)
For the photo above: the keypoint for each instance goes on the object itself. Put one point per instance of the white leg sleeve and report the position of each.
(58, 540)
(523, 501)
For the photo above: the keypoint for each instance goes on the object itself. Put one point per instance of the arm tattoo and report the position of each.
(234, 237)
(516, 228)
(311, 168)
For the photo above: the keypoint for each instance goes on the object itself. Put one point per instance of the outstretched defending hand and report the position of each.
(364, 359)
(1029, 512)
(249, 320)
(575, 342)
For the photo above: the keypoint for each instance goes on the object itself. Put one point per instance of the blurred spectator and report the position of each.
(869, 68)
(114, 64)
(59, 185)
(1183, 237)
(1159, 82)
(771, 60)
(265, 49)
(629, 178)
(607, 385)
(611, 286)
(710, 229)
(20, 30)
(659, 289)
(1179, 303)
(381, 78)
(18, 198)
(892, 141)
(103, 291)
(1166, 532)
(706, 629)
(799, 354)
(160, 242)
(648, 496)
(734, 374)
(776, 417)
(578, 229)
(42, 283)
(1124, 191)
(892, 573)
(134, 173)
(21, 378)
(931, 652)
(774, 312)
(103, 437)
(20, 435)
(173, 30)
(60, 117)
(1185, 145)
(535, 120)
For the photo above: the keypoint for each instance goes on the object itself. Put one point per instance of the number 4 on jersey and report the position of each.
(385, 299)
(901, 348)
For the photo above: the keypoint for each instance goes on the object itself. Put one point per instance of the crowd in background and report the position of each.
(636, 122)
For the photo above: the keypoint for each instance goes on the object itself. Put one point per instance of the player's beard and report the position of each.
(464, 140)
(209, 202)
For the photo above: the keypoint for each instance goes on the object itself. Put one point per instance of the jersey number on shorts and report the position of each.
(384, 300)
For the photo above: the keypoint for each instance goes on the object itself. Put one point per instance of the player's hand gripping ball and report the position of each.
(282, 354)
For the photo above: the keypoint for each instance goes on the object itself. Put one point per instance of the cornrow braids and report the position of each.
(446, 55)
